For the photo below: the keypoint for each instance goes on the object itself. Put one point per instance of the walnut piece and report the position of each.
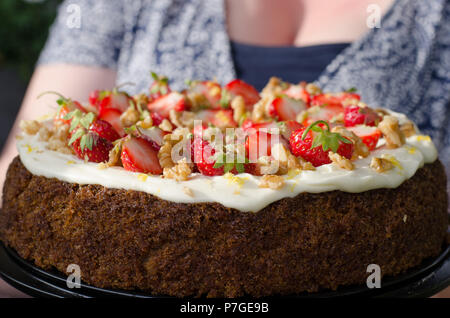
(182, 119)
(272, 182)
(179, 172)
(341, 161)
(129, 117)
(391, 131)
(165, 155)
(166, 125)
(238, 106)
(408, 129)
(30, 127)
(381, 165)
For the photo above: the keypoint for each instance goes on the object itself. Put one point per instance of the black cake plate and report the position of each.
(432, 276)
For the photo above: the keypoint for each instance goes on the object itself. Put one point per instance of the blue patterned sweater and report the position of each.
(404, 65)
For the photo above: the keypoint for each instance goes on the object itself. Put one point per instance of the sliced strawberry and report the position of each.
(154, 135)
(114, 99)
(210, 90)
(138, 155)
(218, 118)
(93, 147)
(286, 108)
(104, 129)
(288, 127)
(355, 115)
(298, 92)
(156, 119)
(325, 112)
(248, 124)
(164, 104)
(94, 98)
(112, 116)
(368, 134)
(314, 144)
(333, 99)
(247, 91)
(260, 144)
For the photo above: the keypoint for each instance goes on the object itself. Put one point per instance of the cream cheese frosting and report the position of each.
(241, 191)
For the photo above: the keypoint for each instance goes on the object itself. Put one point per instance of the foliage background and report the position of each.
(24, 26)
(23, 30)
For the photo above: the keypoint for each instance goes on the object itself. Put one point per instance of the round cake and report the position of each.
(223, 191)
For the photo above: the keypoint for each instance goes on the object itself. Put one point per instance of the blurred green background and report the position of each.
(24, 26)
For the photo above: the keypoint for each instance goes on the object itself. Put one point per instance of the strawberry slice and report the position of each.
(333, 99)
(113, 99)
(288, 127)
(248, 124)
(112, 116)
(218, 118)
(325, 112)
(355, 115)
(368, 134)
(298, 92)
(138, 155)
(202, 156)
(247, 91)
(210, 90)
(154, 135)
(104, 129)
(260, 144)
(164, 104)
(286, 108)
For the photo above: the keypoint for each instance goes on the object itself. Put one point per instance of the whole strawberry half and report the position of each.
(91, 146)
(314, 143)
(326, 112)
(355, 115)
(203, 157)
(139, 155)
(104, 130)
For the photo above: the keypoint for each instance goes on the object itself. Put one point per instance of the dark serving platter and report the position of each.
(432, 276)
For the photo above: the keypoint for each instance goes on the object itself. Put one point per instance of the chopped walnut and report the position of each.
(392, 134)
(361, 150)
(141, 100)
(30, 127)
(382, 112)
(408, 129)
(259, 112)
(182, 119)
(272, 182)
(381, 165)
(341, 161)
(267, 165)
(238, 106)
(129, 117)
(179, 172)
(273, 87)
(165, 155)
(188, 191)
(146, 123)
(44, 133)
(166, 125)
(313, 89)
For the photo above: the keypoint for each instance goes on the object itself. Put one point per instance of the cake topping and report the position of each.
(285, 134)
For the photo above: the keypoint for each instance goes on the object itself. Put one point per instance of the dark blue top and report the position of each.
(256, 64)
